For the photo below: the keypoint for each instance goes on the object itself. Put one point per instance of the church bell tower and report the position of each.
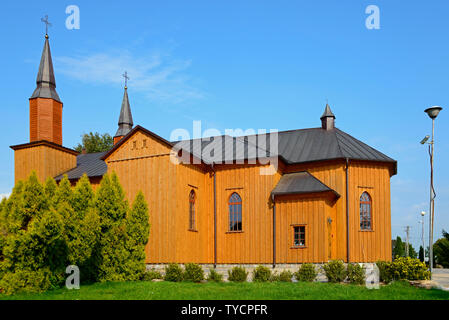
(44, 153)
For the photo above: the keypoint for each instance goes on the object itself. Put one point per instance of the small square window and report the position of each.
(299, 236)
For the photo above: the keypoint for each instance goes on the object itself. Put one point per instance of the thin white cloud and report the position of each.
(157, 75)
(4, 195)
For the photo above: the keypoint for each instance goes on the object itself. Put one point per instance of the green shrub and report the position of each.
(409, 269)
(385, 271)
(214, 276)
(261, 274)
(173, 272)
(306, 273)
(43, 229)
(335, 271)
(237, 274)
(275, 277)
(25, 281)
(286, 276)
(403, 269)
(151, 275)
(193, 272)
(356, 273)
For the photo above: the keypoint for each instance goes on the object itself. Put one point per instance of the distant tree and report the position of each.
(94, 142)
(399, 248)
(412, 252)
(421, 253)
(441, 250)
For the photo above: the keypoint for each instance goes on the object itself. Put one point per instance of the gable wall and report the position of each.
(166, 189)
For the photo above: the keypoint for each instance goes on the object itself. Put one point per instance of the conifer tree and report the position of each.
(35, 203)
(399, 249)
(111, 208)
(64, 192)
(83, 196)
(50, 188)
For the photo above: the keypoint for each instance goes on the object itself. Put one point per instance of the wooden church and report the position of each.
(327, 197)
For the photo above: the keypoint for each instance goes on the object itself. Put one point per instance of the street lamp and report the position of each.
(423, 213)
(432, 112)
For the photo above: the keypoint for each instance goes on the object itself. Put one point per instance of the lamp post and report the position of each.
(432, 112)
(423, 213)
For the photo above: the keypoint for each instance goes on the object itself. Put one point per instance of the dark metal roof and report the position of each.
(89, 163)
(125, 121)
(46, 84)
(45, 143)
(299, 183)
(232, 149)
(296, 146)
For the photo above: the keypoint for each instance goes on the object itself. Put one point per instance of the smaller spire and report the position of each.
(125, 121)
(328, 118)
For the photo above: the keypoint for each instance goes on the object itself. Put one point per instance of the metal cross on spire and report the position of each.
(125, 75)
(47, 24)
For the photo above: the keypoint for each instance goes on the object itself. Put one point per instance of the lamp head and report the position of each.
(425, 139)
(423, 213)
(433, 111)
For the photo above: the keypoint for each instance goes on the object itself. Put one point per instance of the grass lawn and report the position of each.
(146, 290)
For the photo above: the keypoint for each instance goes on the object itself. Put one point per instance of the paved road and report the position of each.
(441, 276)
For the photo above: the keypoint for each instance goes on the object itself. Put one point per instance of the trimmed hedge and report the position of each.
(173, 273)
(193, 272)
(335, 271)
(237, 274)
(261, 274)
(306, 273)
(356, 273)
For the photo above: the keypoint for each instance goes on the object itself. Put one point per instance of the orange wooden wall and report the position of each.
(45, 120)
(374, 178)
(255, 243)
(312, 211)
(47, 161)
(143, 163)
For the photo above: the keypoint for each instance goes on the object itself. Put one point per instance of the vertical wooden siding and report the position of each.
(166, 186)
(332, 174)
(46, 161)
(312, 211)
(370, 246)
(255, 243)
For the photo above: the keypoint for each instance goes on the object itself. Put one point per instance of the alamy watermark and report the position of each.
(373, 20)
(73, 280)
(235, 146)
(73, 20)
(372, 274)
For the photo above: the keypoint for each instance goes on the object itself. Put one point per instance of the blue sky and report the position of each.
(243, 64)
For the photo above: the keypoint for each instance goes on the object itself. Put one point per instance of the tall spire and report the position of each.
(45, 81)
(125, 121)
(328, 118)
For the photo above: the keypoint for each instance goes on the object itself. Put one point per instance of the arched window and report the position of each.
(235, 212)
(365, 211)
(192, 218)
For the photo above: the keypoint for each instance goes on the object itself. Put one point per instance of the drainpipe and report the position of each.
(347, 210)
(215, 218)
(274, 231)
